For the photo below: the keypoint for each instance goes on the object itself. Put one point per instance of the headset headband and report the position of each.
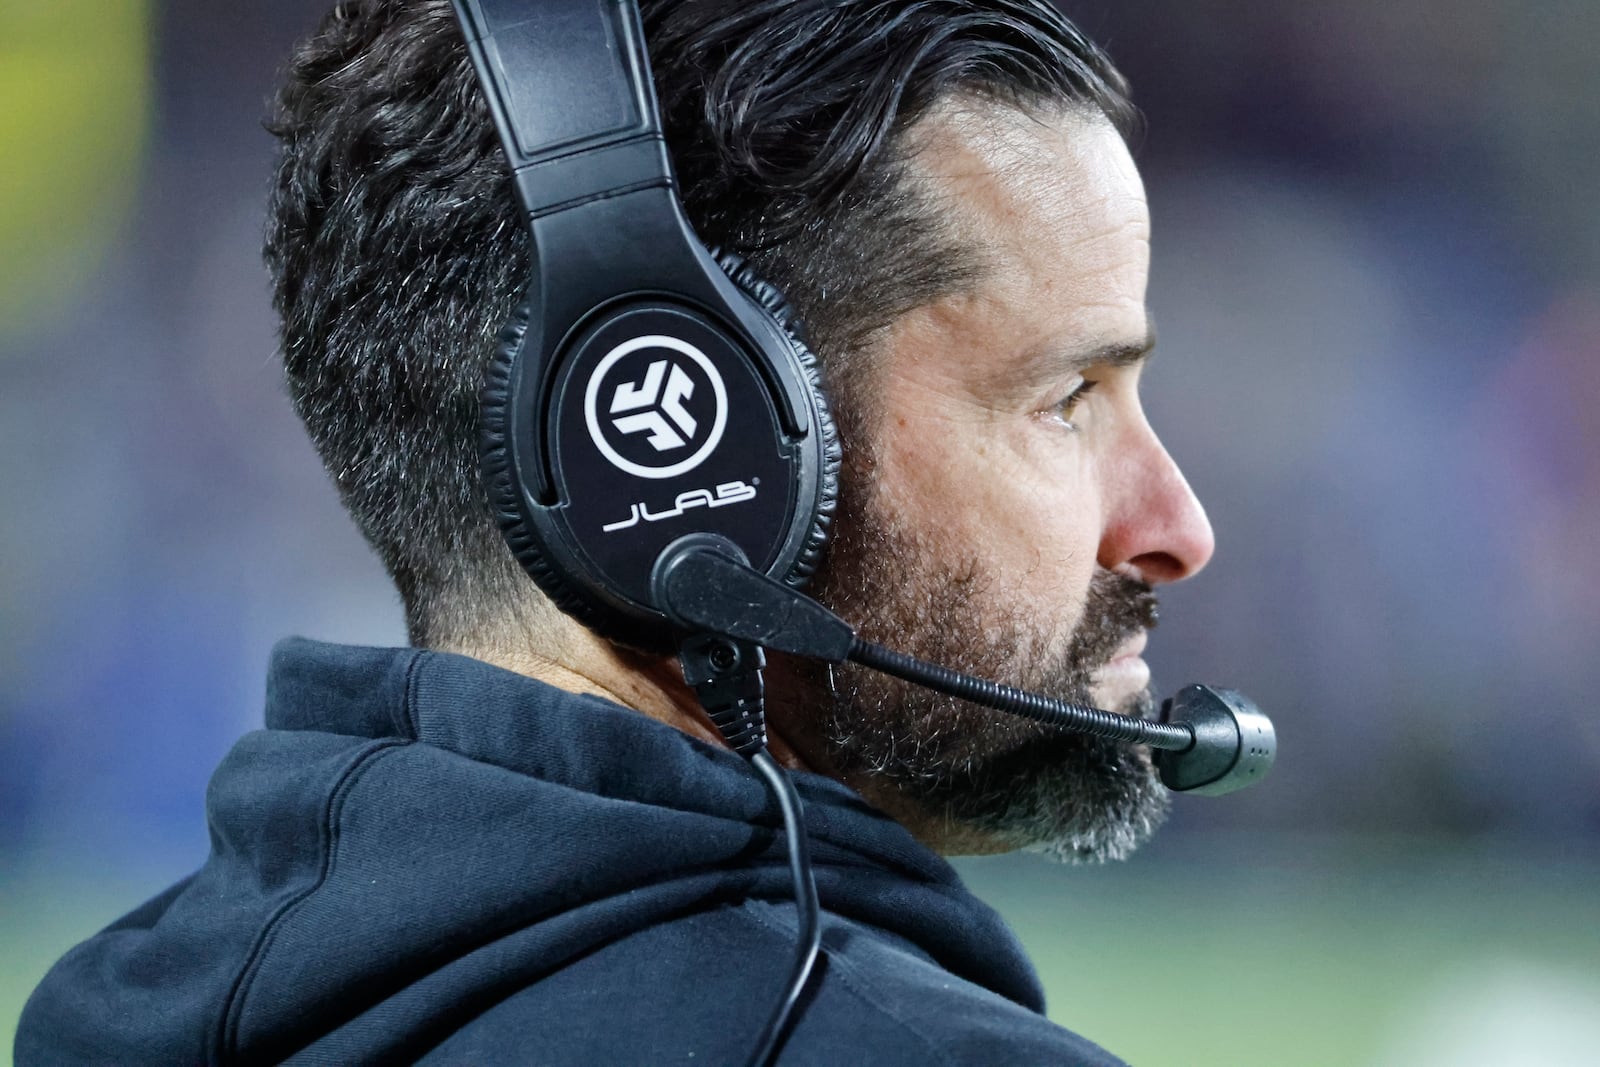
(605, 138)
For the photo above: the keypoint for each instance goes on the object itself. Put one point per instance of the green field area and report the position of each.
(1232, 952)
(1318, 953)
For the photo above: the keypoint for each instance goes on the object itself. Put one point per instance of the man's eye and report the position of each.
(1068, 405)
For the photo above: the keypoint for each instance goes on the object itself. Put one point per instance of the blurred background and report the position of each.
(1377, 279)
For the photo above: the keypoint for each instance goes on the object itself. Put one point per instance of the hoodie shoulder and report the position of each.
(699, 989)
(155, 986)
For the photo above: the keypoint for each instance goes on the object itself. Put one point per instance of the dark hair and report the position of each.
(397, 250)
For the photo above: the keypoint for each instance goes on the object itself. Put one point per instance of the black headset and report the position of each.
(646, 388)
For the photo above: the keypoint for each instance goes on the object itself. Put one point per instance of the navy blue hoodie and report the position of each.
(426, 858)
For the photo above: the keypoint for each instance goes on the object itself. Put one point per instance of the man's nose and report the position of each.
(1156, 526)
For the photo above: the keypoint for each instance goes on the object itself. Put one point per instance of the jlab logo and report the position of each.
(656, 407)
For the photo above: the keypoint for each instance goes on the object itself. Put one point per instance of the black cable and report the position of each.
(805, 899)
(1174, 736)
(725, 673)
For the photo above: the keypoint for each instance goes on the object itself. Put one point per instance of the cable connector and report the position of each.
(726, 675)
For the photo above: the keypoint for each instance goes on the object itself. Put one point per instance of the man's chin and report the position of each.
(1098, 804)
(1075, 798)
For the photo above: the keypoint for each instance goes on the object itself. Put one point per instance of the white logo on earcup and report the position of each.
(648, 394)
(654, 405)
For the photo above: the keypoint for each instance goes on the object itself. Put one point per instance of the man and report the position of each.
(483, 849)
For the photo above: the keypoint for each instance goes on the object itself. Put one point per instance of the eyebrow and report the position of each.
(1121, 354)
(1114, 354)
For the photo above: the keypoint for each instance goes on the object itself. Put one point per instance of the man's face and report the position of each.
(1006, 505)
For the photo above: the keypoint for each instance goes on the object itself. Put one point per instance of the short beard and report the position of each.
(968, 771)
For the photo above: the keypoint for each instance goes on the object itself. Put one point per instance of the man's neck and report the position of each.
(650, 685)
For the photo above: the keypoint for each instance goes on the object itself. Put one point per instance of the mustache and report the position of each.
(1117, 609)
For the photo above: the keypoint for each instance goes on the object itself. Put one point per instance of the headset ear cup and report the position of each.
(767, 296)
(505, 393)
(500, 482)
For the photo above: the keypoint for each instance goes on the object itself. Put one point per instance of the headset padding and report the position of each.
(769, 297)
(500, 484)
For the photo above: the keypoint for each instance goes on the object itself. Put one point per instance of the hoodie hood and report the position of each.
(417, 834)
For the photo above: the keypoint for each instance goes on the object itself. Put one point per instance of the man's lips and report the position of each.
(1130, 650)
(1124, 674)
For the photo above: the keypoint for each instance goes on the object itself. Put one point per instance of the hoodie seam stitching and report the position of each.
(227, 1035)
(412, 726)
